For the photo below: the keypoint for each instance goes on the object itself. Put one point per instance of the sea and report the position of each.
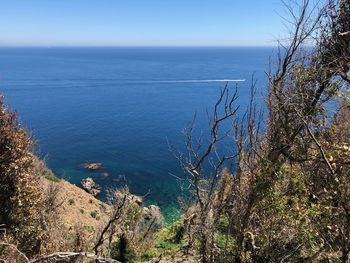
(124, 107)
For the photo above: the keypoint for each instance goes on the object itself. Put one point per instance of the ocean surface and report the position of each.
(120, 106)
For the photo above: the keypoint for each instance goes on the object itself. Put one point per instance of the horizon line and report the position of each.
(137, 46)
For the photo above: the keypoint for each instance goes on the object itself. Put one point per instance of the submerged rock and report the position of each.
(90, 186)
(92, 166)
(104, 174)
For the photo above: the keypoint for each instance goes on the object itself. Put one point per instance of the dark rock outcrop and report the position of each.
(90, 186)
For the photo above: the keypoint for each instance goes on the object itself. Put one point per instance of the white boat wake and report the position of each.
(197, 81)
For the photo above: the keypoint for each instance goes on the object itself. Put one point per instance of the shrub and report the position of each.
(20, 194)
(122, 251)
(93, 214)
(179, 234)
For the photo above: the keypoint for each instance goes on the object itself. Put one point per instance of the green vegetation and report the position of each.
(93, 214)
(122, 251)
(71, 201)
(286, 200)
(168, 241)
(53, 178)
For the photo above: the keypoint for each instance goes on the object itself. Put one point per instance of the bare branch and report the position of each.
(324, 156)
(17, 250)
(117, 214)
(71, 255)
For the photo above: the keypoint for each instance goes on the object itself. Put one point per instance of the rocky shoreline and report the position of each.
(152, 215)
(90, 186)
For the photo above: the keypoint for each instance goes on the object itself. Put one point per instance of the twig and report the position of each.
(67, 255)
(320, 148)
(18, 251)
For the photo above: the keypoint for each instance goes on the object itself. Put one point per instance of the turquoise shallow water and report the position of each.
(119, 106)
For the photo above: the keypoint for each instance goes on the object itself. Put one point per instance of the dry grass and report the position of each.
(78, 206)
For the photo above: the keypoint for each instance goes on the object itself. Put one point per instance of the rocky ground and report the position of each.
(78, 206)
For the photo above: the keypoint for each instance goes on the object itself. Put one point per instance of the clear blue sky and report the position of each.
(139, 22)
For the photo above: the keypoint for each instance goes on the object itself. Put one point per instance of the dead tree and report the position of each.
(204, 163)
(111, 227)
(284, 126)
(199, 157)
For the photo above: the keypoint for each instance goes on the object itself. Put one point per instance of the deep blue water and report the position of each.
(117, 106)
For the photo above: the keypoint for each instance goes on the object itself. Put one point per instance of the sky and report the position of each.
(140, 22)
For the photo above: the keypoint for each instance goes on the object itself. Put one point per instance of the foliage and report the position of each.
(288, 198)
(167, 242)
(121, 250)
(20, 195)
